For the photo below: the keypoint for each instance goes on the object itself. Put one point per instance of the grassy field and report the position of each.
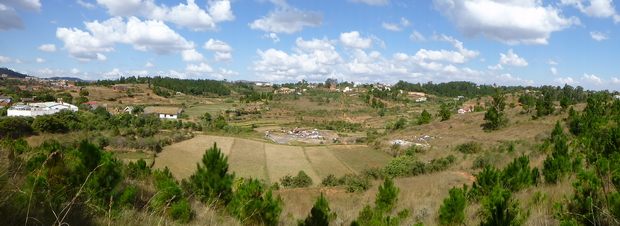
(213, 109)
(256, 159)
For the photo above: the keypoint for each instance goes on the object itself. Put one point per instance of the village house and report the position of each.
(464, 110)
(92, 105)
(5, 100)
(617, 97)
(38, 109)
(121, 88)
(416, 93)
(164, 112)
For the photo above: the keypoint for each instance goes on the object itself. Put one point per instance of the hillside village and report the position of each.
(343, 141)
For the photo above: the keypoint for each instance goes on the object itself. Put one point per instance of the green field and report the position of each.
(213, 109)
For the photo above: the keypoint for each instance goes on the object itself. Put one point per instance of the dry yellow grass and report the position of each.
(359, 157)
(325, 163)
(247, 159)
(284, 159)
(181, 158)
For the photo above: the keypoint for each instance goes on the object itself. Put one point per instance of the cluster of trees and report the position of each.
(450, 89)
(589, 154)
(253, 96)
(188, 86)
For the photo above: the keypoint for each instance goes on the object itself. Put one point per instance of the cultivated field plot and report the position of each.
(285, 159)
(359, 157)
(249, 158)
(325, 162)
(213, 109)
(181, 158)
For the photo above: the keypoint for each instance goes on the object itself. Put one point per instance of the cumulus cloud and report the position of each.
(595, 8)
(589, 82)
(396, 27)
(287, 19)
(40, 60)
(353, 40)
(217, 45)
(598, 36)
(372, 2)
(497, 67)
(512, 59)
(10, 19)
(551, 62)
(314, 60)
(507, 21)
(187, 15)
(417, 37)
(150, 35)
(191, 55)
(5, 60)
(47, 48)
(149, 65)
(222, 49)
(273, 36)
(75, 71)
(554, 71)
(85, 4)
(204, 68)
(114, 74)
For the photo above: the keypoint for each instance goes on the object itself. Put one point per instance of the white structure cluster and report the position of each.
(37, 109)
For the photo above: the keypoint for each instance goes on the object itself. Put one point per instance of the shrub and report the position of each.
(302, 180)
(471, 147)
(211, 181)
(452, 211)
(320, 214)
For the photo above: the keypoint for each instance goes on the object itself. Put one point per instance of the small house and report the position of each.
(164, 112)
(5, 100)
(92, 105)
(464, 110)
(617, 97)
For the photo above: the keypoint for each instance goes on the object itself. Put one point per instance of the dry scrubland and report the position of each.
(422, 194)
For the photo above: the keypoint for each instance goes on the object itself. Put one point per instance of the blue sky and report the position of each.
(506, 42)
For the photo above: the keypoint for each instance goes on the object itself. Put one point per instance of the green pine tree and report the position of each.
(452, 211)
(211, 182)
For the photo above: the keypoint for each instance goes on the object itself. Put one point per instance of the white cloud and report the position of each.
(147, 35)
(101, 57)
(353, 40)
(47, 48)
(204, 68)
(512, 59)
(372, 2)
(10, 19)
(187, 15)
(75, 71)
(505, 20)
(391, 27)
(149, 65)
(40, 60)
(554, 71)
(223, 57)
(287, 20)
(589, 82)
(25, 5)
(272, 36)
(417, 37)
(396, 27)
(551, 62)
(595, 8)
(314, 44)
(598, 36)
(5, 60)
(497, 67)
(217, 45)
(85, 4)
(17, 61)
(114, 74)
(191, 55)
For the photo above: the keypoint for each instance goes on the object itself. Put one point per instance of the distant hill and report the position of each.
(72, 79)
(11, 73)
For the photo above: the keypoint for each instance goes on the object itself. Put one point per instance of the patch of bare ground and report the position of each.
(248, 159)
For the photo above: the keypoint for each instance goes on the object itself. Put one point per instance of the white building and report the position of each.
(37, 109)
(164, 112)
